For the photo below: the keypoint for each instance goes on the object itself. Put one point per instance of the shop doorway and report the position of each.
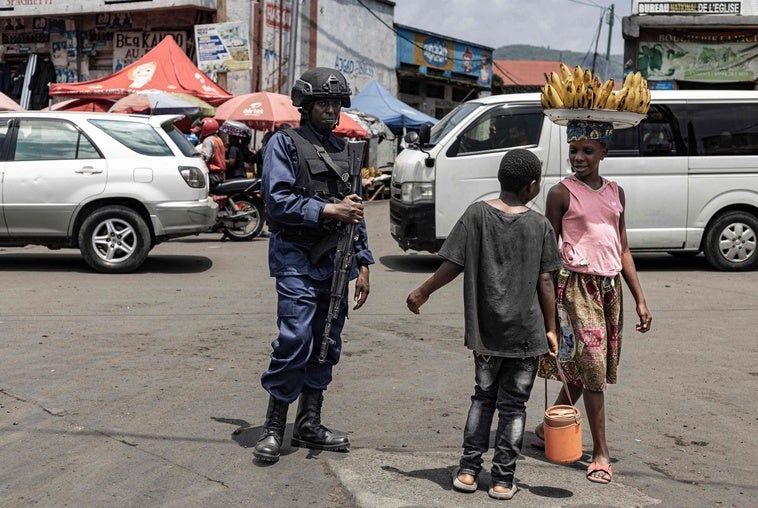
(26, 79)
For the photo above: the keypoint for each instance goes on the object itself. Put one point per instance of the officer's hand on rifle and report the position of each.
(349, 210)
(361, 287)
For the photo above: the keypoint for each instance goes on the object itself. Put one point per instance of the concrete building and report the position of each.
(705, 44)
(45, 40)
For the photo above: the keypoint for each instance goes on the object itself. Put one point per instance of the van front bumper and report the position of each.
(412, 226)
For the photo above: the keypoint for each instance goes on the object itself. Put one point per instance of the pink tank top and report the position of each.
(591, 242)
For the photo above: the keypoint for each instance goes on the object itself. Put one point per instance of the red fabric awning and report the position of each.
(165, 67)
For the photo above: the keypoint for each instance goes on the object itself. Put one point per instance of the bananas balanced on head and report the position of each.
(580, 89)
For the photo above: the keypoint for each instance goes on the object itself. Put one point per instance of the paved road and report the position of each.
(143, 389)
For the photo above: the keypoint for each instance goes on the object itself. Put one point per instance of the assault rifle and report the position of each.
(343, 258)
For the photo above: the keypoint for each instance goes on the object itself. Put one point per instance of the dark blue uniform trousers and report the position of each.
(302, 309)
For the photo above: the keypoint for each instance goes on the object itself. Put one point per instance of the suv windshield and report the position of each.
(140, 137)
(451, 120)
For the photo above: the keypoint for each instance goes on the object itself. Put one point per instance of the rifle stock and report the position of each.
(343, 257)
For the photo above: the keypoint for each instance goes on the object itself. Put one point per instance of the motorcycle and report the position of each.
(241, 210)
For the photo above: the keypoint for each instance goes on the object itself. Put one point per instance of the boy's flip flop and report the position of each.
(597, 468)
(464, 487)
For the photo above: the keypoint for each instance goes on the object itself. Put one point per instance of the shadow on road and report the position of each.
(667, 262)
(61, 262)
(412, 263)
(659, 262)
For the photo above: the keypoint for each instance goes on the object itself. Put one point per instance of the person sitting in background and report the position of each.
(235, 160)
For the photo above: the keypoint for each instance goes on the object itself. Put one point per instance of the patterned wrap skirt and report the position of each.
(594, 304)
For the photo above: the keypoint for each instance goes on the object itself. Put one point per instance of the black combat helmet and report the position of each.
(321, 83)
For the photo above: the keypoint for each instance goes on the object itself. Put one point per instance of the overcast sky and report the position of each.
(557, 24)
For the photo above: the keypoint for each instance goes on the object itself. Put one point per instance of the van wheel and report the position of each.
(730, 241)
(114, 239)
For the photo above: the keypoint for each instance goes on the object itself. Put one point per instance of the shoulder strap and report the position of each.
(309, 136)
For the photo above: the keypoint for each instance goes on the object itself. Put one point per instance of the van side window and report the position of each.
(662, 134)
(724, 129)
(500, 129)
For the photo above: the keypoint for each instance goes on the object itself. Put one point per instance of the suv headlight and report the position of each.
(194, 177)
(417, 192)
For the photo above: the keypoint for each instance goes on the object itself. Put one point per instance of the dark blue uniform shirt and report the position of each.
(286, 208)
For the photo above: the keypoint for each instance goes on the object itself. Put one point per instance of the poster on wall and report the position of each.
(473, 61)
(128, 47)
(223, 47)
(277, 23)
(701, 56)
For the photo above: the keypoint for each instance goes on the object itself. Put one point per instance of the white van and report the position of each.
(689, 171)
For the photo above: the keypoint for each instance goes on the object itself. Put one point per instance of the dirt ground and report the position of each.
(143, 389)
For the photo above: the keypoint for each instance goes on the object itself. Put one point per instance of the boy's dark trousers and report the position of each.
(503, 384)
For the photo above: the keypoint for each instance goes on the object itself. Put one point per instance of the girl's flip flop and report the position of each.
(597, 468)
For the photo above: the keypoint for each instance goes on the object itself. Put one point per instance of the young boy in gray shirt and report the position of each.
(507, 253)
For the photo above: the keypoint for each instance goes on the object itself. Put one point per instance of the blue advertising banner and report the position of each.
(430, 51)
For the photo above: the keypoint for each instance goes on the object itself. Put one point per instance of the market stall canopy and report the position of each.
(8, 104)
(378, 101)
(165, 67)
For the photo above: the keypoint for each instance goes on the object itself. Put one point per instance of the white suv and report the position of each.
(112, 185)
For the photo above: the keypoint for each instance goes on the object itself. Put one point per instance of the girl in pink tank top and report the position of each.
(587, 214)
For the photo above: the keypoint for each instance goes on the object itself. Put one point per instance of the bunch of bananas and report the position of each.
(370, 172)
(580, 89)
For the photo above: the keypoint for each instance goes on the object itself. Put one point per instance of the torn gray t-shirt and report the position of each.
(502, 255)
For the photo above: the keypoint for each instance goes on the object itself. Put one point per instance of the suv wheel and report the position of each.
(114, 239)
(730, 241)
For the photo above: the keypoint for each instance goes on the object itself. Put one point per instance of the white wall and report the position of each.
(353, 41)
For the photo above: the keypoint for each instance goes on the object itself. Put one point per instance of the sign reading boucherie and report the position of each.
(689, 7)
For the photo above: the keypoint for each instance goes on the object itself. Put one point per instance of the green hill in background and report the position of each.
(570, 58)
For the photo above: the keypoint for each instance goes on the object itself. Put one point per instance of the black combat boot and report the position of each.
(309, 433)
(267, 448)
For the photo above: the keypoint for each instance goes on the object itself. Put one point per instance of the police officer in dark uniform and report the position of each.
(307, 196)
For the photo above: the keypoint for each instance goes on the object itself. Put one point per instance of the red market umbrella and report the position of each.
(263, 111)
(91, 105)
(8, 104)
(349, 128)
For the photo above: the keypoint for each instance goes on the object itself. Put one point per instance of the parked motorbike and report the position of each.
(241, 210)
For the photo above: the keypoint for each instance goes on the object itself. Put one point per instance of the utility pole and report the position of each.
(597, 39)
(610, 31)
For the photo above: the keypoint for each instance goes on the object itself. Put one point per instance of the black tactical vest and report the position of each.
(314, 176)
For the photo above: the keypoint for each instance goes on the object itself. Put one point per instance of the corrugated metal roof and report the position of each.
(524, 72)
